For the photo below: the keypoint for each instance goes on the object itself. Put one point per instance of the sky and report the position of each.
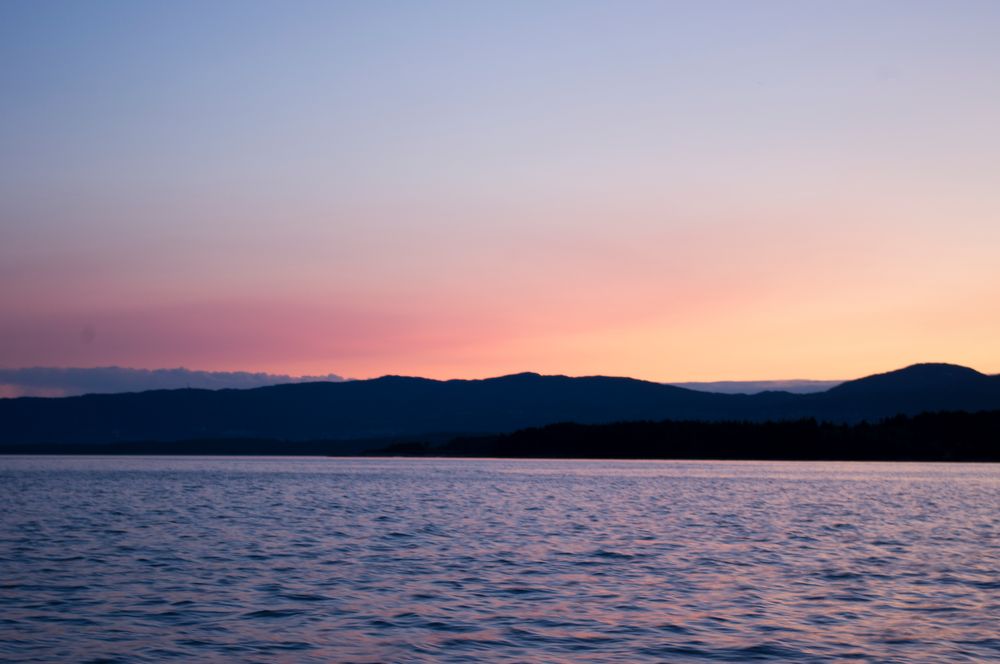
(672, 191)
(62, 382)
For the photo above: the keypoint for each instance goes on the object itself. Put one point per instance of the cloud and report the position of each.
(60, 381)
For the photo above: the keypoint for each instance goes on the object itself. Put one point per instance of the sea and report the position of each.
(243, 559)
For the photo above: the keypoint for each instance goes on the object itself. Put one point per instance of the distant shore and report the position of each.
(946, 436)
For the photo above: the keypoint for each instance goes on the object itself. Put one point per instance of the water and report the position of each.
(246, 559)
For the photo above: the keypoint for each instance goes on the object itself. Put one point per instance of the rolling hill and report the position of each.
(401, 407)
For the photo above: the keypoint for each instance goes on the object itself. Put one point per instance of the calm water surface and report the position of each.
(252, 559)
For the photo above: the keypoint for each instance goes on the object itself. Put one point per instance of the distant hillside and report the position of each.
(756, 386)
(925, 437)
(394, 407)
(73, 381)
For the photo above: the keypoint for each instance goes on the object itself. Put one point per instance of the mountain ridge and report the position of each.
(77, 381)
(402, 406)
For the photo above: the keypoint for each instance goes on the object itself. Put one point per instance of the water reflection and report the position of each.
(463, 560)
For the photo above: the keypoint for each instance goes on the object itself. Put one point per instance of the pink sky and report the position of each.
(669, 191)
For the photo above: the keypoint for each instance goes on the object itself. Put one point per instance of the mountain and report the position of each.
(757, 386)
(919, 379)
(72, 381)
(915, 389)
(940, 436)
(402, 407)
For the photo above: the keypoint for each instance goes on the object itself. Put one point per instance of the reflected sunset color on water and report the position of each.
(144, 559)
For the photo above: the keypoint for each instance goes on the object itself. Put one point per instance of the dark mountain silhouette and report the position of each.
(917, 378)
(915, 389)
(394, 407)
(939, 436)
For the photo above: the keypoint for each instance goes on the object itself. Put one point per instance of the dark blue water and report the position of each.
(297, 560)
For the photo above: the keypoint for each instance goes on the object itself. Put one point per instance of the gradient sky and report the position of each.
(668, 190)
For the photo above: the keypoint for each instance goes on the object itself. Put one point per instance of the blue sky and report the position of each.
(464, 189)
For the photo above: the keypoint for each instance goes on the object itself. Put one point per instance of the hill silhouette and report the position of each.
(940, 436)
(397, 407)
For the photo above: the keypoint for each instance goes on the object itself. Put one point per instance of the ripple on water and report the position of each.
(146, 559)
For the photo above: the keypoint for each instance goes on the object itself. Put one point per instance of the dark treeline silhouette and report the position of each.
(946, 436)
(394, 407)
(949, 436)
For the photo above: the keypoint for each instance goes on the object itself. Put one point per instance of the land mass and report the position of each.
(355, 416)
(757, 386)
(948, 436)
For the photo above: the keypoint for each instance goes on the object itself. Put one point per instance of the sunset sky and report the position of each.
(666, 190)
